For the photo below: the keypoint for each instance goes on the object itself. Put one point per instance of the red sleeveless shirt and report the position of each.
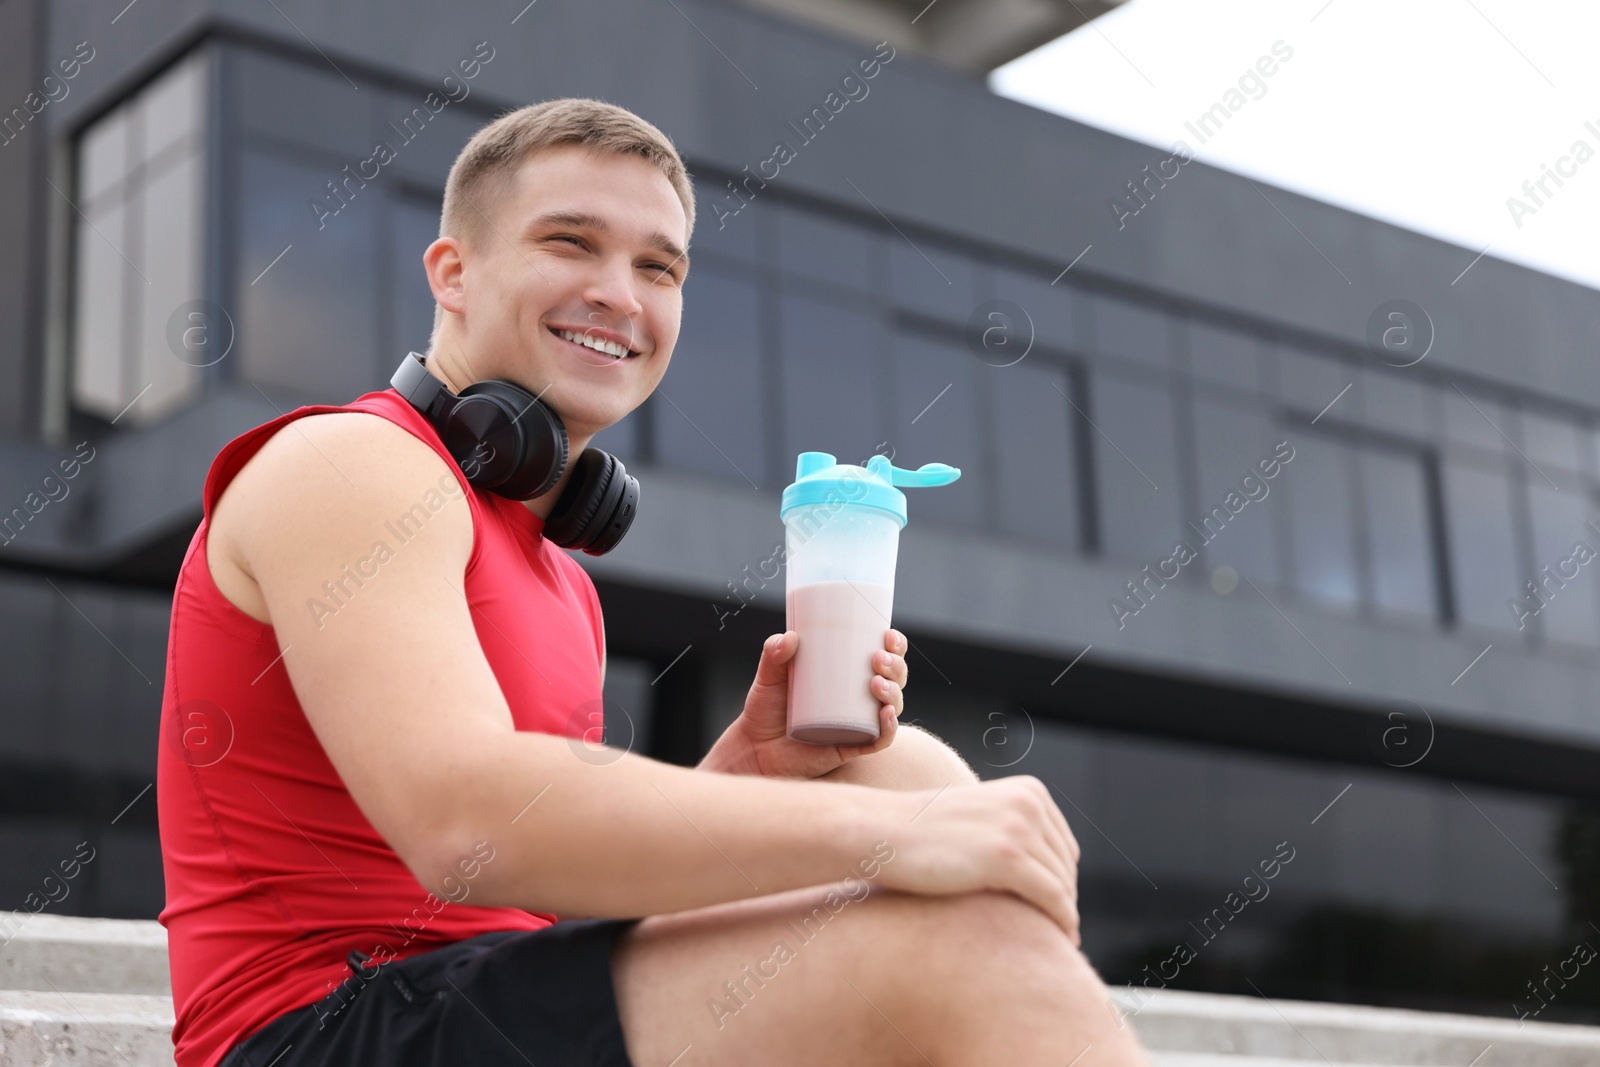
(272, 873)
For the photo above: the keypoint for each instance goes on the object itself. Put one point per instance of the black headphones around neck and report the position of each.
(507, 442)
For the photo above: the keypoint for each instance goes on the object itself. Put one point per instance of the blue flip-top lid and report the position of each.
(820, 479)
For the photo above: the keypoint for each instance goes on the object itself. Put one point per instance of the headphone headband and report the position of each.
(414, 382)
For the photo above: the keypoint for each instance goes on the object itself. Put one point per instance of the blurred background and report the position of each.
(1114, 262)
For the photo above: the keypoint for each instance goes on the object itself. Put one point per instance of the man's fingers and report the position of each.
(887, 692)
(1061, 865)
(1063, 846)
(890, 667)
(776, 653)
(1039, 887)
(1059, 819)
(1060, 837)
(895, 646)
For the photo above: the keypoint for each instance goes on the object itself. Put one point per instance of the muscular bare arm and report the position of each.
(399, 693)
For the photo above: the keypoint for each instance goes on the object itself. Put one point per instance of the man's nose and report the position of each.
(613, 287)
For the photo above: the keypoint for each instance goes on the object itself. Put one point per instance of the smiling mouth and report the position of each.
(614, 351)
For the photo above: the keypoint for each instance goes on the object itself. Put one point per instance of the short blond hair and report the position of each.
(490, 159)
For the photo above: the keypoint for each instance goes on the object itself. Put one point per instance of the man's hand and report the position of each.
(1006, 834)
(757, 742)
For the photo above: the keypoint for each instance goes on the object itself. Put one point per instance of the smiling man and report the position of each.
(385, 842)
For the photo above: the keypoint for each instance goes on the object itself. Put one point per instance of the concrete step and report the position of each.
(1211, 1030)
(87, 1029)
(95, 992)
(85, 955)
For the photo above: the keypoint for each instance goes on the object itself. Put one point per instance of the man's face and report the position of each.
(582, 246)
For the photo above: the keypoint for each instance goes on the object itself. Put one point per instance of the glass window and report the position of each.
(827, 249)
(1232, 439)
(1399, 539)
(1385, 846)
(101, 307)
(930, 279)
(1036, 472)
(1484, 878)
(174, 109)
(1551, 442)
(1483, 551)
(724, 227)
(171, 248)
(1566, 585)
(1131, 332)
(708, 411)
(139, 252)
(831, 391)
(1056, 311)
(1135, 781)
(302, 103)
(1322, 518)
(308, 318)
(103, 155)
(1397, 404)
(425, 157)
(1135, 468)
(1310, 383)
(413, 226)
(1478, 421)
(629, 704)
(1226, 357)
(936, 402)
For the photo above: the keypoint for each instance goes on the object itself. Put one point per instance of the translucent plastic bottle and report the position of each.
(842, 536)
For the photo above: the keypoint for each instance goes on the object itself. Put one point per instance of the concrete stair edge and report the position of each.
(1173, 1021)
(71, 954)
(49, 1029)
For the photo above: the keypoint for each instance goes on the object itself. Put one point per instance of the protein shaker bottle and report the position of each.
(842, 534)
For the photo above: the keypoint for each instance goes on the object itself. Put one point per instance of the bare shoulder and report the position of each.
(317, 483)
(355, 536)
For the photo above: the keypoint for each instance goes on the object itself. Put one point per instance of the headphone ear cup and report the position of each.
(597, 507)
(515, 446)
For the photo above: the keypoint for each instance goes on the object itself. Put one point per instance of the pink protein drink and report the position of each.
(842, 534)
(841, 625)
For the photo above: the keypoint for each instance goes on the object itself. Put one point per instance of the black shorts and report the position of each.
(511, 997)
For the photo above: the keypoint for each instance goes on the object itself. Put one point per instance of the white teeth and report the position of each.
(595, 343)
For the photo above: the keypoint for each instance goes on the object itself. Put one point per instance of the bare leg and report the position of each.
(890, 979)
(884, 979)
(916, 760)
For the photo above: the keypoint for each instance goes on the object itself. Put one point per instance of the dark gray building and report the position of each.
(1240, 574)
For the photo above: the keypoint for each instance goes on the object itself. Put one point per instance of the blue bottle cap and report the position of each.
(821, 479)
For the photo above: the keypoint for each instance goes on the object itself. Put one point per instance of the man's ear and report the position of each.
(447, 273)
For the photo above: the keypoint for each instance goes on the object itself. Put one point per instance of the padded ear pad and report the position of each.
(597, 506)
(505, 440)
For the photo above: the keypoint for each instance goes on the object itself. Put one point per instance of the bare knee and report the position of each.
(979, 931)
(1022, 981)
(915, 760)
